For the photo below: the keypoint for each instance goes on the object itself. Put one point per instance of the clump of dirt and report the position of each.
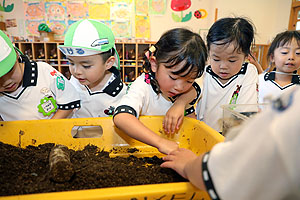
(26, 171)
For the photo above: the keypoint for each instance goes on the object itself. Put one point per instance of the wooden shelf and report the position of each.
(129, 52)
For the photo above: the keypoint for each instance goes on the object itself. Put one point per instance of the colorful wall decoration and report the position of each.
(6, 8)
(157, 7)
(180, 6)
(142, 27)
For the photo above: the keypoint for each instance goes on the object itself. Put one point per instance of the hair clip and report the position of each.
(151, 49)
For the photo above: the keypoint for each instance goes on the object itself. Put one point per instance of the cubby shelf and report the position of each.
(131, 55)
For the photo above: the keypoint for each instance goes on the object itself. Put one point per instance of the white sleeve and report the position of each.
(249, 90)
(136, 97)
(263, 161)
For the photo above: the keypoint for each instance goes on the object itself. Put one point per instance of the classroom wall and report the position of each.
(269, 16)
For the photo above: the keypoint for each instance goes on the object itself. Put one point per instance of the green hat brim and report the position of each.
(8, 63)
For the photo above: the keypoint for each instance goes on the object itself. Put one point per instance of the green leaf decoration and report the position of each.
(176, 18)
(187, 17)
(7, 8)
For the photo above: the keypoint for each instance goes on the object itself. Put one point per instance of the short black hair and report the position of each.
(237, 30)
(106, 55)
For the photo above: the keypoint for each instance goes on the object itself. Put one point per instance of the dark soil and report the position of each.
(26, 171)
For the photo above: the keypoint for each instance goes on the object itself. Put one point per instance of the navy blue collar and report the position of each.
(30, 75)
(270, 76)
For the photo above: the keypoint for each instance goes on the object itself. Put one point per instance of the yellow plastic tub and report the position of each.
(194, 135)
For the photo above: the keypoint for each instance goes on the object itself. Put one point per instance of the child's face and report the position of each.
(170, 84)
(287, 57)
(225, 60)
(89, 70)
(13, 79)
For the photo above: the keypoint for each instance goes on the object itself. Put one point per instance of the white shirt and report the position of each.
(141, 99)
(262, 161)
(269, 89)
(100, 103)
(216, 94)
(44, 90)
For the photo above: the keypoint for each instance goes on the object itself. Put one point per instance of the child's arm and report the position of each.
(61, 114)
(253, 61)
(135, 129)
(187, 164)
(174, 117)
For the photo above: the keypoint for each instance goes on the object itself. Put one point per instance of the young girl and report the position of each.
(174, 63)
(227, 80)
(284, 54)
(32, 90)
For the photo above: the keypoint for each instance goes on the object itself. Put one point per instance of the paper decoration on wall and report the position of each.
(107, 23)
(99, 11)
(157, 7)
(61, 14)
(181, 5)
(11, 23)
(142, 27)
(34, 10)
(98, 1)
(121, 29)
(70, 22)
(121, 1)
(141, 7)
(55, 10)
(120, 11)
(32, 27)
(76, 10)
(58, 28)
(6, 8)
(200, 14)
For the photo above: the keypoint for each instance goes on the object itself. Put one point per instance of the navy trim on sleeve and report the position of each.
(69, 106)
(207, 179)
(125, 109)
(198, 90)
(189, 111)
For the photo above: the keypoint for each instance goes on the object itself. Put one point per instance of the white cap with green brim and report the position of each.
(8, 55)
(89, 37)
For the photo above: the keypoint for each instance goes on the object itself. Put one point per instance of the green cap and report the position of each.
(89, 37)
(8, 55)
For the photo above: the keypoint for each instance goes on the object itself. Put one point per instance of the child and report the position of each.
(228, 80)
(284, 54)
(172, 66)
(94, 64)
(32, 90)
(262, 162)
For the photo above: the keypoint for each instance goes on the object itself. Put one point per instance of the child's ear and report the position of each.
(153, 64)
(110, 62)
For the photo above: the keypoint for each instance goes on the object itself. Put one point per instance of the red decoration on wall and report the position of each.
(180, 5)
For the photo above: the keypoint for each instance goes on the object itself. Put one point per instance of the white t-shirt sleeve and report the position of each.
(136, 97)
(249, 90)
(263, 161)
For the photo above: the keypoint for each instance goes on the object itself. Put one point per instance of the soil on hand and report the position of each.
(26, 171)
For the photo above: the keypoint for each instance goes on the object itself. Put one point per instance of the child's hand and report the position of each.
(174, 118)
(178, 159)
(166, 146)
